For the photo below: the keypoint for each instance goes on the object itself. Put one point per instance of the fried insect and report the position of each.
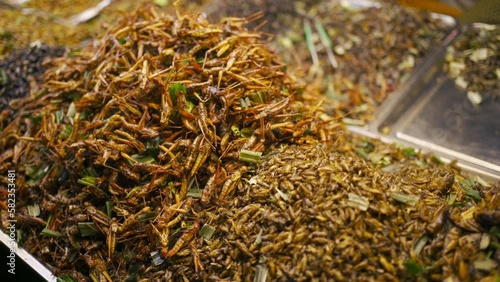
(111, 237)
(188, 235)
(205, 124)
(231, 182)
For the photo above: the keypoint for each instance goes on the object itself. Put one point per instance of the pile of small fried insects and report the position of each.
(311, 213)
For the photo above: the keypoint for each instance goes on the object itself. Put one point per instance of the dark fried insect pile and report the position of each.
(18, 71)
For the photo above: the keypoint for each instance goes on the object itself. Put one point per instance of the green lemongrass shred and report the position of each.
(191, 183)
(71, 112)
(130, 256)
(410, 200)
(437, 159)
(143, 159)
(468, 186)
(325, 117)
(37, 172)
(87, 228)
(450, 199)
(87, 180)
(350, 121)
(246, 132)
(132, 192)
(235, 129)
(485, 241)
(195, 193)
(3, 78)
(362, 153)
(19, 237)
(359, 202)
(50, 233)
(74, 253)
(486, 265)
(243, 103)
(109, 208)
(409, 152)
(260, 273)
(34, 210)
(260, 97)
(325, 40)
(469, 213)
(190, 105)
(495, 231)
(413, 267)
(310, 43)
(283, 196)
(66, 131)
(249, 156)
(467, 183)
(482, 182)
(495, 245)
(175, 89)
(392, 168)
(58, 115)
(322, 32)
(258, 240)
(375, 157)
(145, 217)
(207, 231)
(66, 278)
(49, 220)
(419, 245)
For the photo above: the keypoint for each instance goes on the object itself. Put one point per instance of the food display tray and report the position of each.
(430, 112)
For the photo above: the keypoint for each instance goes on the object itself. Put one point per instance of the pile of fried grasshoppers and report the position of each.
(129, 141)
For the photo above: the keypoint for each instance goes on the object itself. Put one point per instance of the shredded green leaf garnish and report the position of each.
(359, 202)
(195, 193)
(207, 231)
(468, 186)
(50, 233)
(87, 228)
(87, 180)
(409, 152)
(66, 131)
(143, 159)
(486, 265)
(419, 245)
(249, 156)
(109, 208)
(175, 89)
(34, 210)
(413, 267)
(66, 278)
(406, 199)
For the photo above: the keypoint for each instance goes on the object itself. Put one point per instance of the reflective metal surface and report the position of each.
(432, 113)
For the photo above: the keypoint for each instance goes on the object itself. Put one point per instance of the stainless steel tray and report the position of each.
(431, 113)
(22, 256)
